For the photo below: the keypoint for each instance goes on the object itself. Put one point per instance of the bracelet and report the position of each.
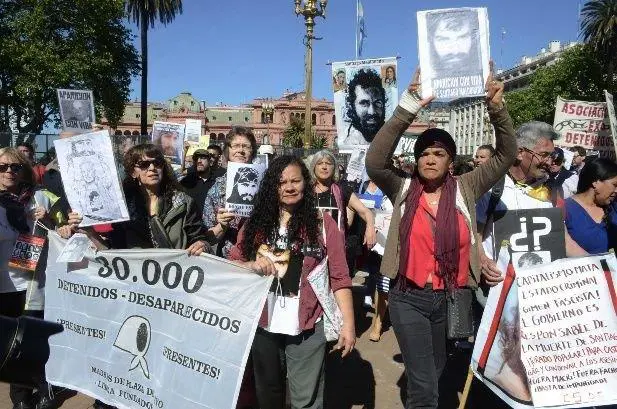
(410, 102)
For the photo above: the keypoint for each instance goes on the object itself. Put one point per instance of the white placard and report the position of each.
(243, 180)
(453, 45)
(75, 249)
(76, 109)
(192, 130)
(152, 328)
(169, 136)
(90, 178)
(610, 107)
(356, 166)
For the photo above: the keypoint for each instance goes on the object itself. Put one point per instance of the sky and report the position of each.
(233, 51)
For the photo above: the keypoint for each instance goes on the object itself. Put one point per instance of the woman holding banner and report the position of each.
(431, 250)
(24, 209)
(587, 212)
(288, 238)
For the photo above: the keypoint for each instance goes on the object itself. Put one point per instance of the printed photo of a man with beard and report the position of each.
(243, 190)
(365, 108)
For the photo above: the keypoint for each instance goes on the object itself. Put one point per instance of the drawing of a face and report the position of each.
(96, 202)
(247, 190)
(280, 258)
(87, 172)
(246, 183)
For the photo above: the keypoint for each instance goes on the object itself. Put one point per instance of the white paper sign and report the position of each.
(192, 130)
(612, 119)
(356, 166)
(90, 178)
(76, 109)
(152, 328)
(243, 182)
(453, 45)
(568, 331)
(75, 249)
(169, 136)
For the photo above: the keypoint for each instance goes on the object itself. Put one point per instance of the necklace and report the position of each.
(430, 201)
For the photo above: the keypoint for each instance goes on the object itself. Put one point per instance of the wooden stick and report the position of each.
(466, 389)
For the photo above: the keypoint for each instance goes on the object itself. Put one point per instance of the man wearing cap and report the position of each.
(199, 178)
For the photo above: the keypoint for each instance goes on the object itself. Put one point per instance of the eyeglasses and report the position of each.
(145, 164)
(15, 167)
(543, 156)
(241, 146)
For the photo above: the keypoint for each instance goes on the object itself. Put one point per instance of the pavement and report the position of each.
(371, 377)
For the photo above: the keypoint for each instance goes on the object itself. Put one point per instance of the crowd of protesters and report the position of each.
(440, 235)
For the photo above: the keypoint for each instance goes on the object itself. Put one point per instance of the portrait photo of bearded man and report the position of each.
(246, 185)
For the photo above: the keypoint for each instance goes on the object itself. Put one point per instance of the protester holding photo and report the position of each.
(287, 237)
(587, 212)
(223, 226)
(22, 205)
(431, 249)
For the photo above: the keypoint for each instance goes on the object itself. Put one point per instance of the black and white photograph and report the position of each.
(242, 185)
(75, 249)
(169, 136)
(454, 52)
(365, 95)
(76, 109)
(90, 178)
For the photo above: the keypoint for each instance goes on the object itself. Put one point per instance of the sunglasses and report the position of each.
(15, 167)
(145, 164)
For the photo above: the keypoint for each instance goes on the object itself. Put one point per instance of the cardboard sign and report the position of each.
(26, 252)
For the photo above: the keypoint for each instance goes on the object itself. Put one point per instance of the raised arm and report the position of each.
(378, 158)
(484, 177)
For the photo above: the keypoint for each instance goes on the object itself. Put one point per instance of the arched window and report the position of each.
(127, 133)
(314, 119)
(136, 133)
(213, 136)
(118, 132)
(221, 137)
(333, 120)
(263, 118)
(302, 116)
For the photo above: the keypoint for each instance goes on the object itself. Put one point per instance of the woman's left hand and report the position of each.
(370, 237)
(346, 340)
(197, 248)
(38, 213)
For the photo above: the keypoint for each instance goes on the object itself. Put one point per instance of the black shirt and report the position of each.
(326, 199)
(198, 188)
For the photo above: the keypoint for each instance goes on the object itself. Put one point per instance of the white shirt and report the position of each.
(570, 185)
(513, 198)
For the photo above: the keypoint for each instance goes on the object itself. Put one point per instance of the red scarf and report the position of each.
(446, 230)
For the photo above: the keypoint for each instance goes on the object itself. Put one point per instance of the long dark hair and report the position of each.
(264, 221)
(599, 169)
(169, 183)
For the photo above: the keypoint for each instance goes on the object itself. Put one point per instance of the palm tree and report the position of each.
(292, 135)
(145, 13)
(599, 30)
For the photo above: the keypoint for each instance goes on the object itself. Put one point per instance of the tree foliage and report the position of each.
(578, 74)
(599, 30)
(293, 134)
(319, 142)
(49, 44)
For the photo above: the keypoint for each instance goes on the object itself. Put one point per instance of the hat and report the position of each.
(201, 152)
(434, 137)
(265, 149)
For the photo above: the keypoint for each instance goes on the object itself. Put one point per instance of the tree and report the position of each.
(319, 142)
(145, 13)
(578, 74)
(293, 134)
(599, 30)
(49, 44)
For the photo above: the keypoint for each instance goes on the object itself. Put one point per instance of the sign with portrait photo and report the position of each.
(90, 179)
(365, 95)
(76, 109)
(193, 130)
(454, 52)
(243, 182)
(169, 137)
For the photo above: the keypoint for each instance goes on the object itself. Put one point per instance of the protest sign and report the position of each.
(373, 81)
(522, 238)
(204, 142)
(610, 107)
(453, 46)
(261, 160)
(585, 124)
(90, 179)
(76, 109)
(243, 181)
(169, 137)
(75, 249)
(192, 130)
(405, 144)
(355, 166)
(26, 252)
(568, 331)
(152, 328)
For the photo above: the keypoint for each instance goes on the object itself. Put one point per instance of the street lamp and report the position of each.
(309, 9)
(267, 108)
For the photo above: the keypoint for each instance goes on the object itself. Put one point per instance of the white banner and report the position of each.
(365, 95)
(152, 328)
(76, 109)
(192, 130)
(568, 331)
(610, 106)
(585, 124)
(453, 45)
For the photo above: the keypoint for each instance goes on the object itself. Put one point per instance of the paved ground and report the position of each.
(372, 377)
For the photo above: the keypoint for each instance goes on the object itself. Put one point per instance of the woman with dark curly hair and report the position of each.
(286, 237)
(161, 213)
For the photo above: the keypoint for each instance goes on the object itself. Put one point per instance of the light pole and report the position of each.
(267, 108)
(309, 9)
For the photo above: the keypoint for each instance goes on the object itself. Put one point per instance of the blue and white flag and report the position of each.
(361, 34)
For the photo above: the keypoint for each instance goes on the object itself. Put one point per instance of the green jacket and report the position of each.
(470, 186)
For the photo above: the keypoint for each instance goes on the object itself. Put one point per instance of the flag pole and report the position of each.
(357, 11)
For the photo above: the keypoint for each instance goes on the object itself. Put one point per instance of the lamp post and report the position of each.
(309, 9)
(267, 108)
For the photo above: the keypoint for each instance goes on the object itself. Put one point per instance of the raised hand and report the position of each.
(494, 88)
(414, 88)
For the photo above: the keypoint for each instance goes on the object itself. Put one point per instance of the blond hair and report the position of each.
(27, 174)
